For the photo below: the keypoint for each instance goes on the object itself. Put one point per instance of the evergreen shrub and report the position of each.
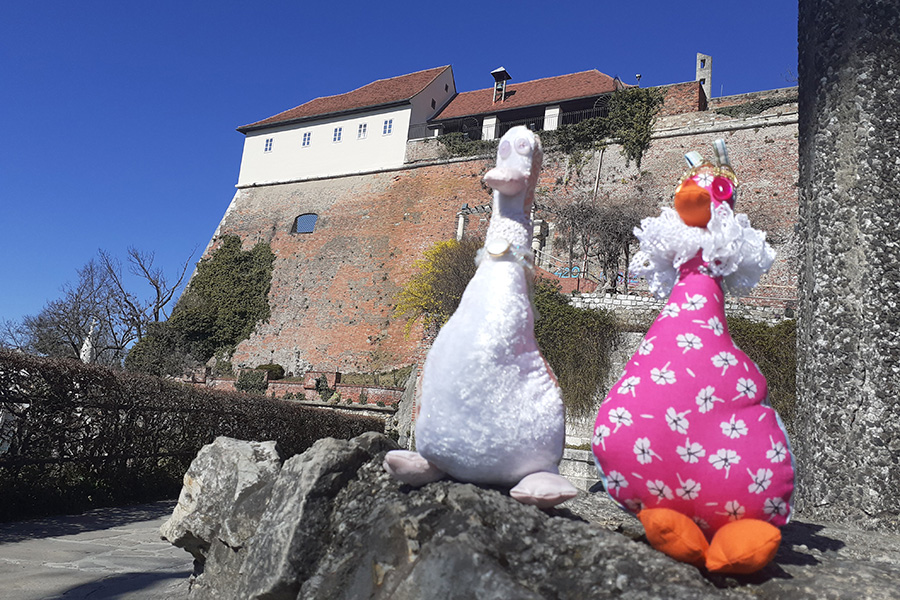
(251, 382)
(275, 371)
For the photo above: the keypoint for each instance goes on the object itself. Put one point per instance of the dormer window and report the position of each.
(305, 223)
(269, 144)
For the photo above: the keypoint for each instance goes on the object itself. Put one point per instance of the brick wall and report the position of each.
(637, 311)
(682, 98)
(301, 391)
(333, 290)
(789, 93)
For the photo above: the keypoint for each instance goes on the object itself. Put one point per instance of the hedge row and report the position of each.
(75, 436)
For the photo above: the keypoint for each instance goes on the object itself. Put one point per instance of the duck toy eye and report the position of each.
(523, 146)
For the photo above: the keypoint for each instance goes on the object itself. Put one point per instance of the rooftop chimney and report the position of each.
(500, 78)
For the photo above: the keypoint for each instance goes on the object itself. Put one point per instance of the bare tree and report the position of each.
(599, 231)
(133, 311)
(100, 293)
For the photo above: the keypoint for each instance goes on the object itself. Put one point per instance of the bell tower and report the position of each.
(501, 76)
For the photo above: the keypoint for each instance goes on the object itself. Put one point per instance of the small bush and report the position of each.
(275, 371)
(458, 144)
(251, 382)
(380, 403)
(364, 396)
(325, 392)
(576, 342)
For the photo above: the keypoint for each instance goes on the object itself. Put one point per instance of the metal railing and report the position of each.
(421, 130)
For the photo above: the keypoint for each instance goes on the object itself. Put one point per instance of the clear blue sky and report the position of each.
(118, 118)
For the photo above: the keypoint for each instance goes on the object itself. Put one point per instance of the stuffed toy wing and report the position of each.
(490, 409)
(686, 439)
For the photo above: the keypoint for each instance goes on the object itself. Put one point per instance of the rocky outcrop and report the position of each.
(226, 491)
(330, 524)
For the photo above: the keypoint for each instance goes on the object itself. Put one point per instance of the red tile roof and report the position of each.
(377, 93)
(530, 93)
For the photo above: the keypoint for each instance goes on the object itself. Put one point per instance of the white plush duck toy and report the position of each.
(491, 411)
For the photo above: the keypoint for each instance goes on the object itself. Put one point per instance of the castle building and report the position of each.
(349, 190)
(367, 129)
(360, 131)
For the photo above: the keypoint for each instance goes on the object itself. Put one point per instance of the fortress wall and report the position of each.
(333, 291)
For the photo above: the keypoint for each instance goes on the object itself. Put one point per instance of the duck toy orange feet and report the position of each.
(686, 439)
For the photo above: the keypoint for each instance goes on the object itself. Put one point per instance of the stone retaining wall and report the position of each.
(637, 311)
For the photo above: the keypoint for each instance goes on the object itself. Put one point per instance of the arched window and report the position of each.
(305, 223)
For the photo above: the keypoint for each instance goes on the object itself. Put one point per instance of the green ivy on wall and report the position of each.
(226, 299)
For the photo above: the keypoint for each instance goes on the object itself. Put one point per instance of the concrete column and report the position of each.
(847, 440)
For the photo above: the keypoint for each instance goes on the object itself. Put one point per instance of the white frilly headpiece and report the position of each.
(733, 250)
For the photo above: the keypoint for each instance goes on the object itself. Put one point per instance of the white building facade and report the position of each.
(361, 131)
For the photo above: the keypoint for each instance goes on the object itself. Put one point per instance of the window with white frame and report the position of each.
(307, 138)
(269, 144)
(388, 127)
(338, 132)
(361, 132)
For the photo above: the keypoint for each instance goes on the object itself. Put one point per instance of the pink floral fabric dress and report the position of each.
(688, 427)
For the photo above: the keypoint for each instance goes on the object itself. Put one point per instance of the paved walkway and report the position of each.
(109, 553)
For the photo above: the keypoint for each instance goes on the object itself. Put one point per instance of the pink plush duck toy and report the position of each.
(686, 439)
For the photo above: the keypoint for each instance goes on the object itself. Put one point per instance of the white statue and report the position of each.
(88, 354)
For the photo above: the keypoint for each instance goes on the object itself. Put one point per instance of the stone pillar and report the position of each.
(847, 439)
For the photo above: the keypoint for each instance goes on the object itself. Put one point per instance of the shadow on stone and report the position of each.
(125, 585)
(94, 520)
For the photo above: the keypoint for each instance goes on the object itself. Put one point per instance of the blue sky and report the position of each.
(118, 118)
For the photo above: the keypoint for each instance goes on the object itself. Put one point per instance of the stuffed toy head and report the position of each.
(686, 439)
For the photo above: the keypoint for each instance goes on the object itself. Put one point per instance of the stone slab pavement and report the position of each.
(104, 554)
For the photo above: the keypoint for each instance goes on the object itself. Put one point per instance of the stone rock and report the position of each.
(225, 492)
(295, 530)
(336, 526)
(402, 421)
